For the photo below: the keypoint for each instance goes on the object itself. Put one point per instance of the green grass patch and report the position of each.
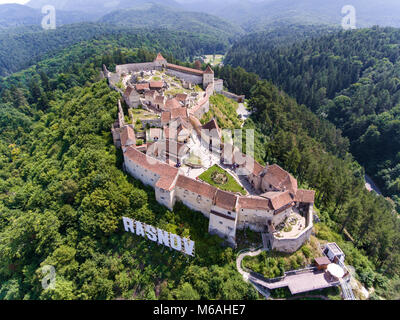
(274, 264)
(224, 110)
(231, 184)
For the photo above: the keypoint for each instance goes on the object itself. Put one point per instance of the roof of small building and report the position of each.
(160, 100)
(156, 84)
(278, 199)
(165, 182)
(165, 117)
(129, 90)
(150, 93)
(179, 113)
(185, 69)
(322, 261)
(159, 57)
(162, 169)
(127, 136)
(225, 200)
(334, 248)
(209, 70)
(181, 97)
(212, 124)
(305, 196)
(197, 187)
(142, 86)
(172, 103)
(280, 179)
(254, 203)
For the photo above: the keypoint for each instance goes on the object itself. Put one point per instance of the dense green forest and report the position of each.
(294, 137)
(157, 16)
(63, 191)
(23, 47)
(351, 78)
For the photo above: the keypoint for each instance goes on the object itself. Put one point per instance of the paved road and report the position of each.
(371, 186)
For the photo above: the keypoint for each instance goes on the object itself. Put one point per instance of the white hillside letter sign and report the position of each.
(184, 245)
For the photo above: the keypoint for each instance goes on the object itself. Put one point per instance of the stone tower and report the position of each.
(208, 77)
(160, 61)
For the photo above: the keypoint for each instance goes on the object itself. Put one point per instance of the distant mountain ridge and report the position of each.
(98, 7)
(159, 16)
(256, 15)
(15, 15)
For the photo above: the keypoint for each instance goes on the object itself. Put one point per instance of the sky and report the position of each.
(13, 1)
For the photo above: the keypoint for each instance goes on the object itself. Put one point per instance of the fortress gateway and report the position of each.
(164, 134)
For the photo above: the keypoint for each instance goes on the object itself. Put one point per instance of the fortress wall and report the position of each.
(233, 96)
(254, 216)
(136, 67)
(194, 201)
(290, 245)
(224, 228)
(144, 175)
(151, 122)
(185, 76)
(218, 85)
(166, 198)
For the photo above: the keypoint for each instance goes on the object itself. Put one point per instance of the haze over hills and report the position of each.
(98, 7)
(13, 15)
(158, 16)
(254, 15)
(251, 15)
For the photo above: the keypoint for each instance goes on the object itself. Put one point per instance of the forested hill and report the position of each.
(63, 191)
(255, 16)
(12, 15)
(23, 47)
(352, 79)
(158, 16)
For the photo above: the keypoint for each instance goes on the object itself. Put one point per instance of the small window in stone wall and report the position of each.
(221, 222)
(198, 199)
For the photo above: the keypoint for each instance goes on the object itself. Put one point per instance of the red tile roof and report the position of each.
(166, 182)
(181, 97)
(160, 100)
(127, 136)
(225, 200)
(128, 91)
(150, 93)
(165, 117)
(322, 261)
(198, 187)
(305, 196)
(159, 57)
(162, 169)
(210, 125)
(280, 179)
(254, 203)
(179, 113)
(172, 104)
(156, 84)
(278, 199)
(185, 69)
(209, 70)
(142, 86)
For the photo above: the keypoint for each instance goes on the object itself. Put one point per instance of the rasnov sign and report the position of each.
(157, 235)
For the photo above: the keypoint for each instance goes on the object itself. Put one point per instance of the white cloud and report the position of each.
(13, 1)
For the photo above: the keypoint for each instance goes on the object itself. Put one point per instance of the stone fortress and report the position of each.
(165, 136)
